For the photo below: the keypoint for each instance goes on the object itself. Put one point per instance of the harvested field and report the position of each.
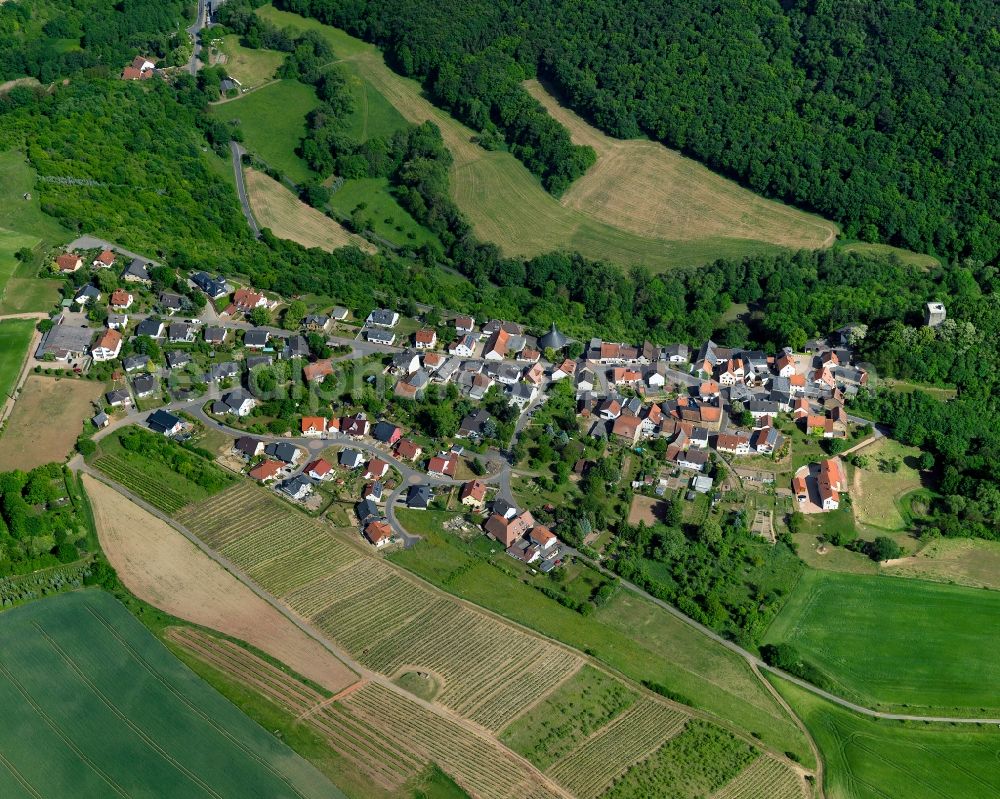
(162, 567)
(478, 764)
(612, 750)
(47, 418)
(277, 208)
(765, 776)
(643, 187)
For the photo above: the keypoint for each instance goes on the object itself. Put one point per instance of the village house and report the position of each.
(407, 450)
(164, 423)
(245, 300)
(249, 447)
(313, 425)
(404, 363)
(117, 321)
(382, 317)
(372, 491)
(87, 294)
(68, 262)
(443, 465)
(118, 398)
(738, 444)
(107, 346)
(105, 260)
(507, 530)
(676, 353)
(144, 386)
(622, 376)
(237, 402)
(356, 425)
(379, 533)
(626, 429)
(419, 497)
(765, 441)
(433, 361)
(464, 346)
(178, 359)
(425, 339)
(297, 488)
(386, 338)
(473, 494)
(351, 459)
(121, 299)
(522, 394)
(266, 470)
(566, 369)
(284, 451)
(376, 469)
(529, 355)
(214, 287)
(386, 432)
(137, 272)
(534, 375)
(496, 346)
(318, 371)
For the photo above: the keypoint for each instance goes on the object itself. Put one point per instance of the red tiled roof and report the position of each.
(319, 466)
(376, 532)
(474, 489)
(313, 424)
(318, 370)
(266, 470)
(407, 449)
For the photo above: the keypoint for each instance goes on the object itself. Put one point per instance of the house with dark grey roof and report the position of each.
(215, 335)
(87, 294)
(284, 452)
(137, 272)
(144, 386)
(298, 487)
(165, 423)
(150, 326)
(170, 302)
(256, 339)
(177, 359)
(135, 362)
(296, 347)
(237, 402)
(253, 361)
(351, 459)
(222, 371)
(384, 337)
(477, 424)
(65, 342)
(367, 511)
(382, 317)
(214, 287)
(419, 497)
(248, 446)
(180, 333)
(119, 398)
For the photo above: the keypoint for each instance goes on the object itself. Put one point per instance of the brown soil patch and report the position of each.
(277, 208)
(46, 420)
(159, 565)
(646, 509)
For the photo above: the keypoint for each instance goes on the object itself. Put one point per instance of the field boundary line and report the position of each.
(19, 777)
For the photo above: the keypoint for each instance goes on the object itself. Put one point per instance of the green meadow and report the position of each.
(896, 643)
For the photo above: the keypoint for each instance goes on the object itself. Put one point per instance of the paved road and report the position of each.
(195, 31)
(237, 153)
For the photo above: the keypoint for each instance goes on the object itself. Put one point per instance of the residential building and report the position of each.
(496, 346)
(87, 294)
(317, 371)
(313, 425)
(284, 452)
(297, 488)
(249, 447)
(68, 262)
(419, 497)
(382, 317)
(215, 335)
(121, 299)
(214, 287)
(134, 363)
(356, 425)
(107, 346)
(386, 432)
(473, 494)
(165, 423)
(119, 398)
(137, 272)
(425, 339)
(144, 386)
(351, 459)
(407, 450)
(177, 359)
(246, 300)
(384, 337)
(105, 260)
(444, 465)
(266, 470)
(379, 533)
(256, 339)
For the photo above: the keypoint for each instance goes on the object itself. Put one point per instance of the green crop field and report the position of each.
(867, 759)
(381, 212)
(15, 335)
(506, 204)
(630, 634)
(894, 642)
(273, 121)
(95, 706)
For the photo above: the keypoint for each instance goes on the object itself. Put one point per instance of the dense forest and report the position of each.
(49, 40)
(882, 116)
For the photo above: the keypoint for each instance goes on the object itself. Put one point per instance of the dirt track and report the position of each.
(159, 565)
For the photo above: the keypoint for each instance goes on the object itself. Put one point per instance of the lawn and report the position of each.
(378, 209)
(94, 705)
(894, 643)
(15, 335)
(568, 716)
(250, 67)
(629, 634)
(506, 204)
(273, 122)
(867, 759)
(876, 494)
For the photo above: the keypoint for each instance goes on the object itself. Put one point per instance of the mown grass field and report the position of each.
(876, 493)
(886, 250)
(275, 207)
(15, 335)
(506, 204)
(250, 67)
(372, 115)
(273, 121)
(94, 705)
(894, 643)
(381, 212)
(867, 759)
(630, 634)
(965, 561)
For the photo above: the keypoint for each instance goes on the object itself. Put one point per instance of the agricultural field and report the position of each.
(252, 68)
(110, 711)
(559, 723)
(275, 207)
(964, 561)
(867, 759)
(506, 204)
(590, 769)
(47, 418)
(153, 480)
(162, 567)
(764, 776)
(15, 336)
(371, 200)
(876, 493)
(371, 115)
(273, 121)
(629, 634)
(691, 764)
(931, 662)
(641, 186)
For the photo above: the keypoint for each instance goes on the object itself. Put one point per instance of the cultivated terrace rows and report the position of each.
(490, 671)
